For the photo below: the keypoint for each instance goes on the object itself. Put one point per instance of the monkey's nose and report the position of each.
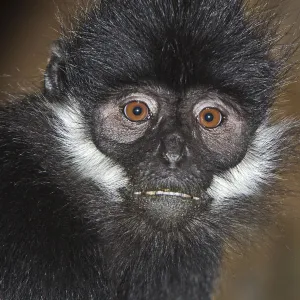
(173, 149)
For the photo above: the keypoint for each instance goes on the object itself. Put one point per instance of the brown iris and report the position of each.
(210, 117)
(136, 111)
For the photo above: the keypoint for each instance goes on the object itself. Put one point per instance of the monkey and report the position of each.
(148, 148)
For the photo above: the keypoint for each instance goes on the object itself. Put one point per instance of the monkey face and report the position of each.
(171, 145)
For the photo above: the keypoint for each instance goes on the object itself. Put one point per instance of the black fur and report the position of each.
(61, 236)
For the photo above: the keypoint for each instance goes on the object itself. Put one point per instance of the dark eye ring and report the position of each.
(210, 117)
(136, 111)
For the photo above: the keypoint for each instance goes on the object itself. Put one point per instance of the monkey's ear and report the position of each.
(55, 75)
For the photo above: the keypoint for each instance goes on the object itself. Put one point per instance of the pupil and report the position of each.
(209, 117)
(137, 110)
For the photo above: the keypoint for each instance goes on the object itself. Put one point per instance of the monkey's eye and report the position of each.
(210, 117)
(136, 111)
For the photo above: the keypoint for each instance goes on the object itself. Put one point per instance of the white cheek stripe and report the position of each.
(81, 152)
(256, 169)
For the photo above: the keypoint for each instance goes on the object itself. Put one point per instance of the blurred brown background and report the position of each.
(27, 28)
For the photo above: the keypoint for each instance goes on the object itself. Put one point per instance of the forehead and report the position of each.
(179, 46)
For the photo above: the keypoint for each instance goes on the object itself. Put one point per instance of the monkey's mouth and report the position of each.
(164, 207)
(166, 193)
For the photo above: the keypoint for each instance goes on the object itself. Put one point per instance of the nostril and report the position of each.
(173, 148)
(173, 157)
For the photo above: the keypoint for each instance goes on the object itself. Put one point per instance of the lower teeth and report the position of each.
(166, 193)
